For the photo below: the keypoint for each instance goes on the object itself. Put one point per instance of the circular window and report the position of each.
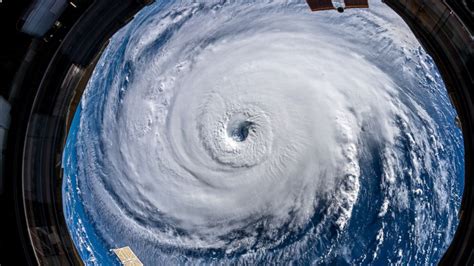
(263, 132)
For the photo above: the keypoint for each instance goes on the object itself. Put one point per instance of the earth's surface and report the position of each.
(249, 132)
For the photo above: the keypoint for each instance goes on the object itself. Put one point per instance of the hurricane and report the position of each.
(244, 132)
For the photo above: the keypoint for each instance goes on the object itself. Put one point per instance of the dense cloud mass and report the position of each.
(248, 131)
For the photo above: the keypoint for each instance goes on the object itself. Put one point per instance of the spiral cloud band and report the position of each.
(259, 131)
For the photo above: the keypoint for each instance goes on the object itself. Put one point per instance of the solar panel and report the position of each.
(127, 257)
(357, 3)
(316, 5)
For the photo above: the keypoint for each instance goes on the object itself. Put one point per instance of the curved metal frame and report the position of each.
(56, 75)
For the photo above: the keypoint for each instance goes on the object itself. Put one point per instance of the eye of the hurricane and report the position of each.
(240, 131)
